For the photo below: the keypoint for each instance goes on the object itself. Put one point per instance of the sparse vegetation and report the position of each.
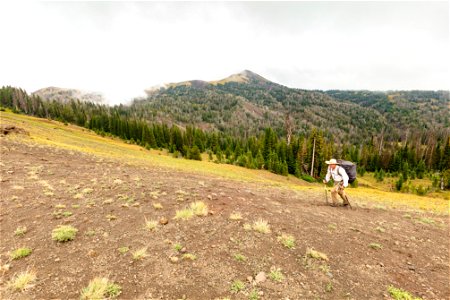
(123, 250)
(261, 226)
(177, 247)
(140, 253)
(399, 294)
(380, 229)
(332, 226)
(253, 295)
(316, 254)
(111, 217)
(184, 214)
(199, 208)
(247, 227)
(64, 233)
(235, 216)
(287, 240)
(329, 287)
(375, 246)
(20, 231)
(22, 281)
(239, 257)
(237, 286)
(151, 225)
(276, 275)
(189, 256)
(100, 288)
(20, 253)
(157, 206)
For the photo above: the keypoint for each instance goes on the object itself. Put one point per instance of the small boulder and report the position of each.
(261, 277)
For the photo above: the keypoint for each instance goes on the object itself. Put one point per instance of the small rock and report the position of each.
(92, 253)
(183, 250)
(174, 259)
(250, 279)
(210, 197)
(163, 221)
(261, 277)
(381, 264)
(57, 260)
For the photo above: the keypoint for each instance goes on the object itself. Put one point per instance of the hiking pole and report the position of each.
(341, 187)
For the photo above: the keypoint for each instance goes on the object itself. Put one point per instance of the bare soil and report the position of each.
(36, 182)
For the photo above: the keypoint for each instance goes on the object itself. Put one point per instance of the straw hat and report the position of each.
(331, 162)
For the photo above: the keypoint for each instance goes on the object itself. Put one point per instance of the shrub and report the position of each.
(100, 288)
(399, 294)
(199, 208)
(22, 281)
(287, 240)
(64, 233)
(184, 214)
(316, 254)
(237, 286)
(21, 252)
(261, 226)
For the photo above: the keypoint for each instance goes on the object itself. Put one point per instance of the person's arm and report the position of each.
(344, 176)
(327, 177)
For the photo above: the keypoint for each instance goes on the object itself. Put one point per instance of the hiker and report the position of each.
(340, 179)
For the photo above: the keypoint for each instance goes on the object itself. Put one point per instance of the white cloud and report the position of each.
(122, 48)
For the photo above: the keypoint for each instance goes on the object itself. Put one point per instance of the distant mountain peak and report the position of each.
(245, 76)
(53, 93)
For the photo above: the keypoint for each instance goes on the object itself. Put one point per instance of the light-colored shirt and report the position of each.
(338, 174)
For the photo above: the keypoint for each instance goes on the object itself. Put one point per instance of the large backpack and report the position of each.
(350, 169)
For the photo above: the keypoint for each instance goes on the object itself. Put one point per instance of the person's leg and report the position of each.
(334, 193)
(341, 192)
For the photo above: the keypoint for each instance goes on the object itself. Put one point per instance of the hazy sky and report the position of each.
(122, 48)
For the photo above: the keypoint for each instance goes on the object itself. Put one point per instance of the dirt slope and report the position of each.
(110, 200)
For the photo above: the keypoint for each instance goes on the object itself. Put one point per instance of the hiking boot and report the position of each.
(333, 204)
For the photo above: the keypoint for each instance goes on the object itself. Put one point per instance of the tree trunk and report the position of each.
(312, 163)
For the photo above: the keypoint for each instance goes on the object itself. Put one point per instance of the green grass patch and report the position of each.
(237, 286)
(276, 275)
(235, 216)
(189, 256)
(20, 231)
(287, 240)
(261, 226)
(253, 295)
(199, 208)
(184, 214)
(375, 246)
(399, 294)
(151, 225)
(177, 247)
(316, 254)
(100, 288)
(140, 254)
(239, 257)
(123, 250)
(64, 233)
(20, 253)
(22, 281)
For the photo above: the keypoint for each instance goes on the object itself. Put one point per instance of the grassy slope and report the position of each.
(52, 133)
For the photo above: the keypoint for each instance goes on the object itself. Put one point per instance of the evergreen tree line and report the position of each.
(268, 150)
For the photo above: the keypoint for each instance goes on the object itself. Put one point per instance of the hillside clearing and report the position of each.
(58, 169)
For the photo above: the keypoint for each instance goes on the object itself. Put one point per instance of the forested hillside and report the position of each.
(249, 121)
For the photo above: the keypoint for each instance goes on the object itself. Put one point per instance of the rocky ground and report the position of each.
(361, 252)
